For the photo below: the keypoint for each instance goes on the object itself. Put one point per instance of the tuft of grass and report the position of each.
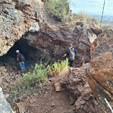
(56, 67)
(83, 17)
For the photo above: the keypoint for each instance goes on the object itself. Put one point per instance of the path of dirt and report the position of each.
(47, 101)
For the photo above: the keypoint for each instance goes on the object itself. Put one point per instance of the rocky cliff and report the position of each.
(99, 75)
(23, 27)
(16, 17)
(51, 42)
(24, 22)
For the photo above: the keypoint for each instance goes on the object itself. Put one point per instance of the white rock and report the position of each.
(4, 105)
(34, 28)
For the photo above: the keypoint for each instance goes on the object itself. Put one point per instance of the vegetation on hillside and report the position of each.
(57, 9)
(60, 11)
(83, 17)
(23, 85)
(36, 77)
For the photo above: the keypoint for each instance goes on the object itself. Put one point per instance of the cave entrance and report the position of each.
(9, 59)
(12, 51)
(17, 46)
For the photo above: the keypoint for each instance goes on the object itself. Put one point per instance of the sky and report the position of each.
(92, 7)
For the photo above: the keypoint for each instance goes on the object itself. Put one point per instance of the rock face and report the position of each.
(4, 105)
(78, 90)
(51, 41)
(26, 20)
(99, 75)
(16, 17)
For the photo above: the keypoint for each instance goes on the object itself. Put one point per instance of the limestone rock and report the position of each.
(34, 27)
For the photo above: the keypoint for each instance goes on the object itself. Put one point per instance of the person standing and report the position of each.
(21, 60)
(70, 54)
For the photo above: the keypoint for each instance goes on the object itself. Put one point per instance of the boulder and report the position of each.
(78, 90)
(96, 30)
(99, 74)
(34, 28)
(4, 105)
(92, 36)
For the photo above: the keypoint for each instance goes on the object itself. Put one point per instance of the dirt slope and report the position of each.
(47, 101)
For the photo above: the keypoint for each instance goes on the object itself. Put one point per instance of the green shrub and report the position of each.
(23, 84)
(55, 68)
(37, 76)
(57, 9)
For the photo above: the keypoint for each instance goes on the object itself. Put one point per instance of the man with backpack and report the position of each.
(70, 54)
(21, 60)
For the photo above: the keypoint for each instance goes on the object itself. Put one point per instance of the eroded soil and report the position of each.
(47, 101)
(42, 100)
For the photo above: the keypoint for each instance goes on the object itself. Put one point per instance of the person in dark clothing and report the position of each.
(21, 60)
(70, 54)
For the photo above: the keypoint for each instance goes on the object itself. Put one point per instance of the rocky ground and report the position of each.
(66, 93)
(44, 100)
(25, 27)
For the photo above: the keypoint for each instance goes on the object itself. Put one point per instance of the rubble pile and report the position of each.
(78, 90)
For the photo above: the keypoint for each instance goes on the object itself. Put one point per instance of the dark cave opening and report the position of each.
(10, 58)
(12, 51)
(17, 46)
(31, 54)
(28, 48)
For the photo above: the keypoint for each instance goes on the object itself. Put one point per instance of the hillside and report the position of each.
(42, 33)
